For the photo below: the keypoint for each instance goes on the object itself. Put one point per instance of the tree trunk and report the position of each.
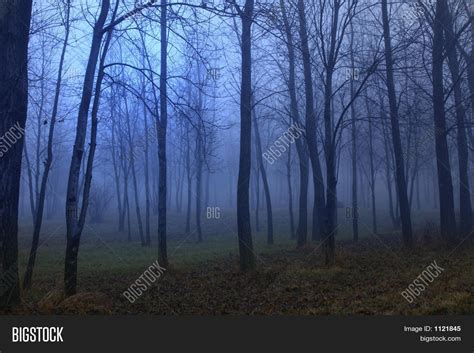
(266, 188)
(161, 126)
(30, 182)
(38, 219)
(189, 180)
(199, 162)
(247, 256)
(354, 213)
(207, 192)
(15, 18)
(290, 193)
(74, 226)
(465, 206)
(372, 177)
(319, 200)
(147, 181)
(134, 174)
(120, 206)
(445, 184)
(302, 228)
(257, 200)
(396, 140)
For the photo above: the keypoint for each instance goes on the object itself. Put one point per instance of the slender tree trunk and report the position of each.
(30, 182)
(465, 206)
(396, 140)
(372, 177)
(330, 144)
(290, 193)
(134, 174)
(179, 195)
(302, 229)
(161, 127)
(319, 199)
(125, 171)
(257, 199)
(189, 181)
(208, 182)
(247, 256)
(199, 162)
(39, 126)
(126, 207)
(355, 212)
(75, 225)
(388, 172)
(120, 206)
(38, 219)
(147, 177)
(263, 173)
(418, 202)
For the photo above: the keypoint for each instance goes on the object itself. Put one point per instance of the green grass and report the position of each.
(203, 278)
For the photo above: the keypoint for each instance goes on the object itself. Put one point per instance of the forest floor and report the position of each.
(204, 279)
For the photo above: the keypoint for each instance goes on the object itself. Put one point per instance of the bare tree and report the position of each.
(310, 120)
(247, 257)
(445, 183)
(395, 128)
(38, 219)
(15, 19)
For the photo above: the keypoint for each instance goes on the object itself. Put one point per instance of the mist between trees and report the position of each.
(135, 110)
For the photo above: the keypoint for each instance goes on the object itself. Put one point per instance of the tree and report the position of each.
(15, 19)
(355, 205)
(301, 147)
(445, 183)
(263, 173)
(75, 217)
(395, 128)
(465, 206)
(310, 125)
(161, 126)
(247, 257)
(38, 218)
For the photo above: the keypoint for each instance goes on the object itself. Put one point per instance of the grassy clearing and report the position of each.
(203, 279)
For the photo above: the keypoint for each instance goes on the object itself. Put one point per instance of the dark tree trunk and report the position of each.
(257, 199)
(30, 182)
(302, 229)
(290, 193)
(75, 225)
(126, 206)
(465, 206)
(396, 140)
(207, 191)
(266, 188)
(147, 181)
(189, 181)
(355, 213)
(388, 176)
(418, 200)
(319, 199)
(134, 173)
(38, 219)
(372, 177)
(199, 162)
(120, 206)
(445, 184)
(161, 126)
(330, 228)
(15, 18)
(247, 256)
